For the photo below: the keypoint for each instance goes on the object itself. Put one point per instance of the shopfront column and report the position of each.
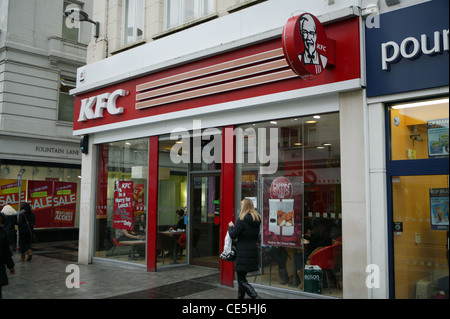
(354, 194)
(87, 208)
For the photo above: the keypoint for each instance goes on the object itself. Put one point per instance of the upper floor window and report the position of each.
(66, 101)
(132, 21)
(179, 12)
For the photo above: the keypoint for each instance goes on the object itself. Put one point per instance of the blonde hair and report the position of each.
(248, 208)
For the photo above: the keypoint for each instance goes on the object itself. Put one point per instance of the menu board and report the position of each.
(282, 211)
(123, 205)
(438, 137)
(439, 208)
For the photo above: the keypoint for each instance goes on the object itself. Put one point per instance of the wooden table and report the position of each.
(175, 235)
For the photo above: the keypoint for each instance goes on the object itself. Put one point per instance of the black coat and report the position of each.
(246, 232)
(5, 258)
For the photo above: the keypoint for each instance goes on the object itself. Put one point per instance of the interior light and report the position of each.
(273, 122)
(316, 116)
(298, 144)
(422, 103)
(311, 122)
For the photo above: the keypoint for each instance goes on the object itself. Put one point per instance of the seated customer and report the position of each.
(180, 224)
(125, 235)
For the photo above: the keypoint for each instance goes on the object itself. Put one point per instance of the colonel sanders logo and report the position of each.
(305, 45)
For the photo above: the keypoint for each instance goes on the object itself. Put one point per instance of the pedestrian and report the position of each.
(246, 232)
(26, 231)
(9, 223)
(5, 257)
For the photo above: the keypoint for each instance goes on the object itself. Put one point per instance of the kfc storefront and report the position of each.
(170, 153)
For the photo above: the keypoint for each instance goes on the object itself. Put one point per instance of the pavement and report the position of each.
(54, 273)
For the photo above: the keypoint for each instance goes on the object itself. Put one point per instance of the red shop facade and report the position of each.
(167, 140)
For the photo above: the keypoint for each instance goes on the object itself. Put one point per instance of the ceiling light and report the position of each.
(273, 122)
(423, 103)
(311, 122)
(316, 116)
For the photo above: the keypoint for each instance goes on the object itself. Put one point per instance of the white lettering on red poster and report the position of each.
(93, 107)
(123, 205)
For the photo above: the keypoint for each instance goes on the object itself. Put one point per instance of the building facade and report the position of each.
(40, 51)
(194, 105)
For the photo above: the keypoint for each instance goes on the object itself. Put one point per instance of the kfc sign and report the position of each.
(92, 108)
(306, 46)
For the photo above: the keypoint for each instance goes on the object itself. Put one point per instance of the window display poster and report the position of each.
(282, 211)
(123, 205)
(40, 194)
(438, 137)
(64, 204)
(439, 208)
(9, 193)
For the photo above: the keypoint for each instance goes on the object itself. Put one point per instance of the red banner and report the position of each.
(9, 193)
(65, 204)
(40, 194)
(123, 205)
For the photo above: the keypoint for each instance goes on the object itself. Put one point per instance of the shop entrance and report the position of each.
(204, 226)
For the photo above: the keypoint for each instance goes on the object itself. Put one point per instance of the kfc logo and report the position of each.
(305, 45)
(92, 108)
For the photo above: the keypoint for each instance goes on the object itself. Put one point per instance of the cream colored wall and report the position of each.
(354, 194)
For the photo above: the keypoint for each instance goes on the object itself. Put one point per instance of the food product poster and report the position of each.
(123, 205)
(282, 211)
(9, 193)
(64, 204)
(438, 137)
(40, 195)
(439, 208)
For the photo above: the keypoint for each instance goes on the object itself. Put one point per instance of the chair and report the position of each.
(116, 244)
(326, 259)
(182, 241)
(164, 242)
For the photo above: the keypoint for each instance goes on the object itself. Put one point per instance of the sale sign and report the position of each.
(9, 193)
(123, 205)
(40, 194)
(64, 203)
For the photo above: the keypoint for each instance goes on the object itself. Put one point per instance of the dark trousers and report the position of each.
(241, 276)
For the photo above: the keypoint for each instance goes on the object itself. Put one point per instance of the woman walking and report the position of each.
(246, 232)
(26, 231)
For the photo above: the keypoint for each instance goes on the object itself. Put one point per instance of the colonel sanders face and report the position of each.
(309, 35)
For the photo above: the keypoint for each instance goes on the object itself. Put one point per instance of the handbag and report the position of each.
(229, 249)
(32, 234)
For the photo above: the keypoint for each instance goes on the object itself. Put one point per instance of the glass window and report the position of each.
(419, 129)
(420, 215)
(296, 189)
(53, 191)
(66, 101)
(172, 207)
(70, 26)
(179, 12)
(133, 21)
(121, 223)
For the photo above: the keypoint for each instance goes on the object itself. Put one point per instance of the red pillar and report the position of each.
(227, 199)
(152, 208)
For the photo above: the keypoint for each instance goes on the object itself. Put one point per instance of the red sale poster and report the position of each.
(123, 205)
(40, 194)
(64, 204)
(9, 193)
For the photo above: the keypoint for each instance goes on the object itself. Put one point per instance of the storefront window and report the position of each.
(296, 189)
(420, 129)
(52, 190)
(121, 223)
(420, 213)
(172, 207)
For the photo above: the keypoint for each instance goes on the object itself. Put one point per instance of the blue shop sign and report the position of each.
(407, 49)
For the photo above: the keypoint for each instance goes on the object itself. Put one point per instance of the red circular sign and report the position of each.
(305, 45)
(281, 188)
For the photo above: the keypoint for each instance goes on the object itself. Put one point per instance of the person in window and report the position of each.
(125, 235)
(140, 225)
(246, 232)
(180, 224)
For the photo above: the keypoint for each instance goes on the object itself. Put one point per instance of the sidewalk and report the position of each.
(44, 277)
